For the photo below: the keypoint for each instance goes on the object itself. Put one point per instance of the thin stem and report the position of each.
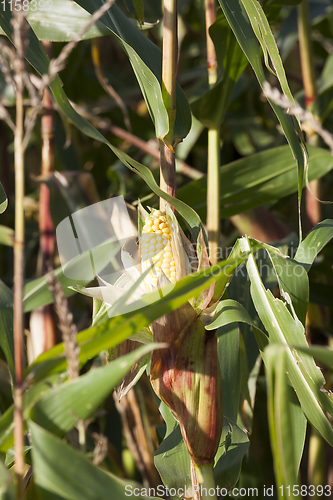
(167, 172)
(309, 83)
(169, 65)
(316, 461)
(210, 15)
(18, 23)
(213, 160)
(45, 220)
(213, 193)
(46, 229)
(305, 47)
(205, 481)
(42, 319)
(81, 428)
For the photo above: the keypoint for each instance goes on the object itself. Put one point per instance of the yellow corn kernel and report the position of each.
(155, 246)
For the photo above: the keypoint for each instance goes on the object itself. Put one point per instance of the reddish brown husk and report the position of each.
(169, 327)
(198, 393)
(187, 378)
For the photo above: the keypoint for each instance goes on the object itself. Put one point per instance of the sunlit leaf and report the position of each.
(286, 329)
(314, 242)
(3, 199)
(6, 236)
(292, 279)
(229, 311)
(322, 354)
(284, 423)
(63, 22)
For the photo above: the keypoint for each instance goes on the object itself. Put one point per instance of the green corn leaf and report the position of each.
(284, 422)
(6, 236)
(322, 354)
(146, 60)
(3, 199)
(232, 449)
(228, 338)
(286, 329)
(139, 10)
(111, 332)
(252, 30)
(63, 22)
(61, 408)
(210, 108)
(292, 279)
(229, 311)
(73, 476)
(314, 242)
(32, 395)
(6, 430)
(275, 177)
(171, 458)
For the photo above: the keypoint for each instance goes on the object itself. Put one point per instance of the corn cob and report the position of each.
(156, 247)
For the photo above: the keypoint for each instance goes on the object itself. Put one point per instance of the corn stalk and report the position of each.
(309, 84)
(18, 25)
(213, 160)
(169, 65)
